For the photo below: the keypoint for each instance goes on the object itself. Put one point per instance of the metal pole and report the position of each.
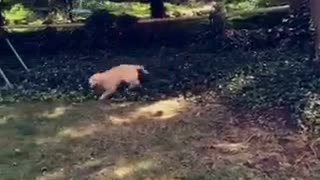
(17, 55)
(5, 78)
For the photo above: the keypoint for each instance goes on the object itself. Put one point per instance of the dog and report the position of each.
(107, 82)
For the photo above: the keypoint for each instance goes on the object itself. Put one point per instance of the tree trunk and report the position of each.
(65, 5)
(2, 32)
(1, 17)
(295, 4)
(157, 9)
(315, 16)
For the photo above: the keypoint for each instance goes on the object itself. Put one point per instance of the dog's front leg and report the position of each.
(106, 94)
(103, 96)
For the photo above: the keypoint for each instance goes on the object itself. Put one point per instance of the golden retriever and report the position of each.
(109, 80)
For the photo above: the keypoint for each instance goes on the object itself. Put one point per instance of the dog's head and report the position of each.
(94, 80)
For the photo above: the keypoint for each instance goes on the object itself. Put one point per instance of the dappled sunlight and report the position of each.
(311, 112)
(78, 132)
(89, 164)
(119, 120)
(129, 169)
(47, 140)
(70, 133)
(150, 151)
(52, 176)
(57, 112)
(3, 120)
(231, 147)
(6, 118)
(168, 108)
(123, 169)
(160, 110)
(6, 114)
(239, 82)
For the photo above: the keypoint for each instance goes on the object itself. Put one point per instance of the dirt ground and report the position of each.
(168, 139)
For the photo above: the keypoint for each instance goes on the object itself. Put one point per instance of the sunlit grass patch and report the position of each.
(6, 118)
(78, 132)
(56, 112)
(160, 110)
(128, 170)
(52, 176)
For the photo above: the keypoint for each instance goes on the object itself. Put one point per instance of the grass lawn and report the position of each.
(168, 139)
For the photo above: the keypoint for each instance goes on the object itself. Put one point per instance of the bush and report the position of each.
(19, 14)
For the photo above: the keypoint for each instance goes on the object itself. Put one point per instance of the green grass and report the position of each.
(33, 145)
(20, 155)
(226, 173)
(54, 141)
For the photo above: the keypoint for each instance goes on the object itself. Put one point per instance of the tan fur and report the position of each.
(109, 80)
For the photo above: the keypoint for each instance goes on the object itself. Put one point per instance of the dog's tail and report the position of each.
(140, 67)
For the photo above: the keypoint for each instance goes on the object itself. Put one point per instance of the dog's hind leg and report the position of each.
(133, 84)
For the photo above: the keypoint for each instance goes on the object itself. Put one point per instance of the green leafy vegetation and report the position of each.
(138, 9)
(250, 5)
(241, 5)
(19, 14)
(273, 79)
